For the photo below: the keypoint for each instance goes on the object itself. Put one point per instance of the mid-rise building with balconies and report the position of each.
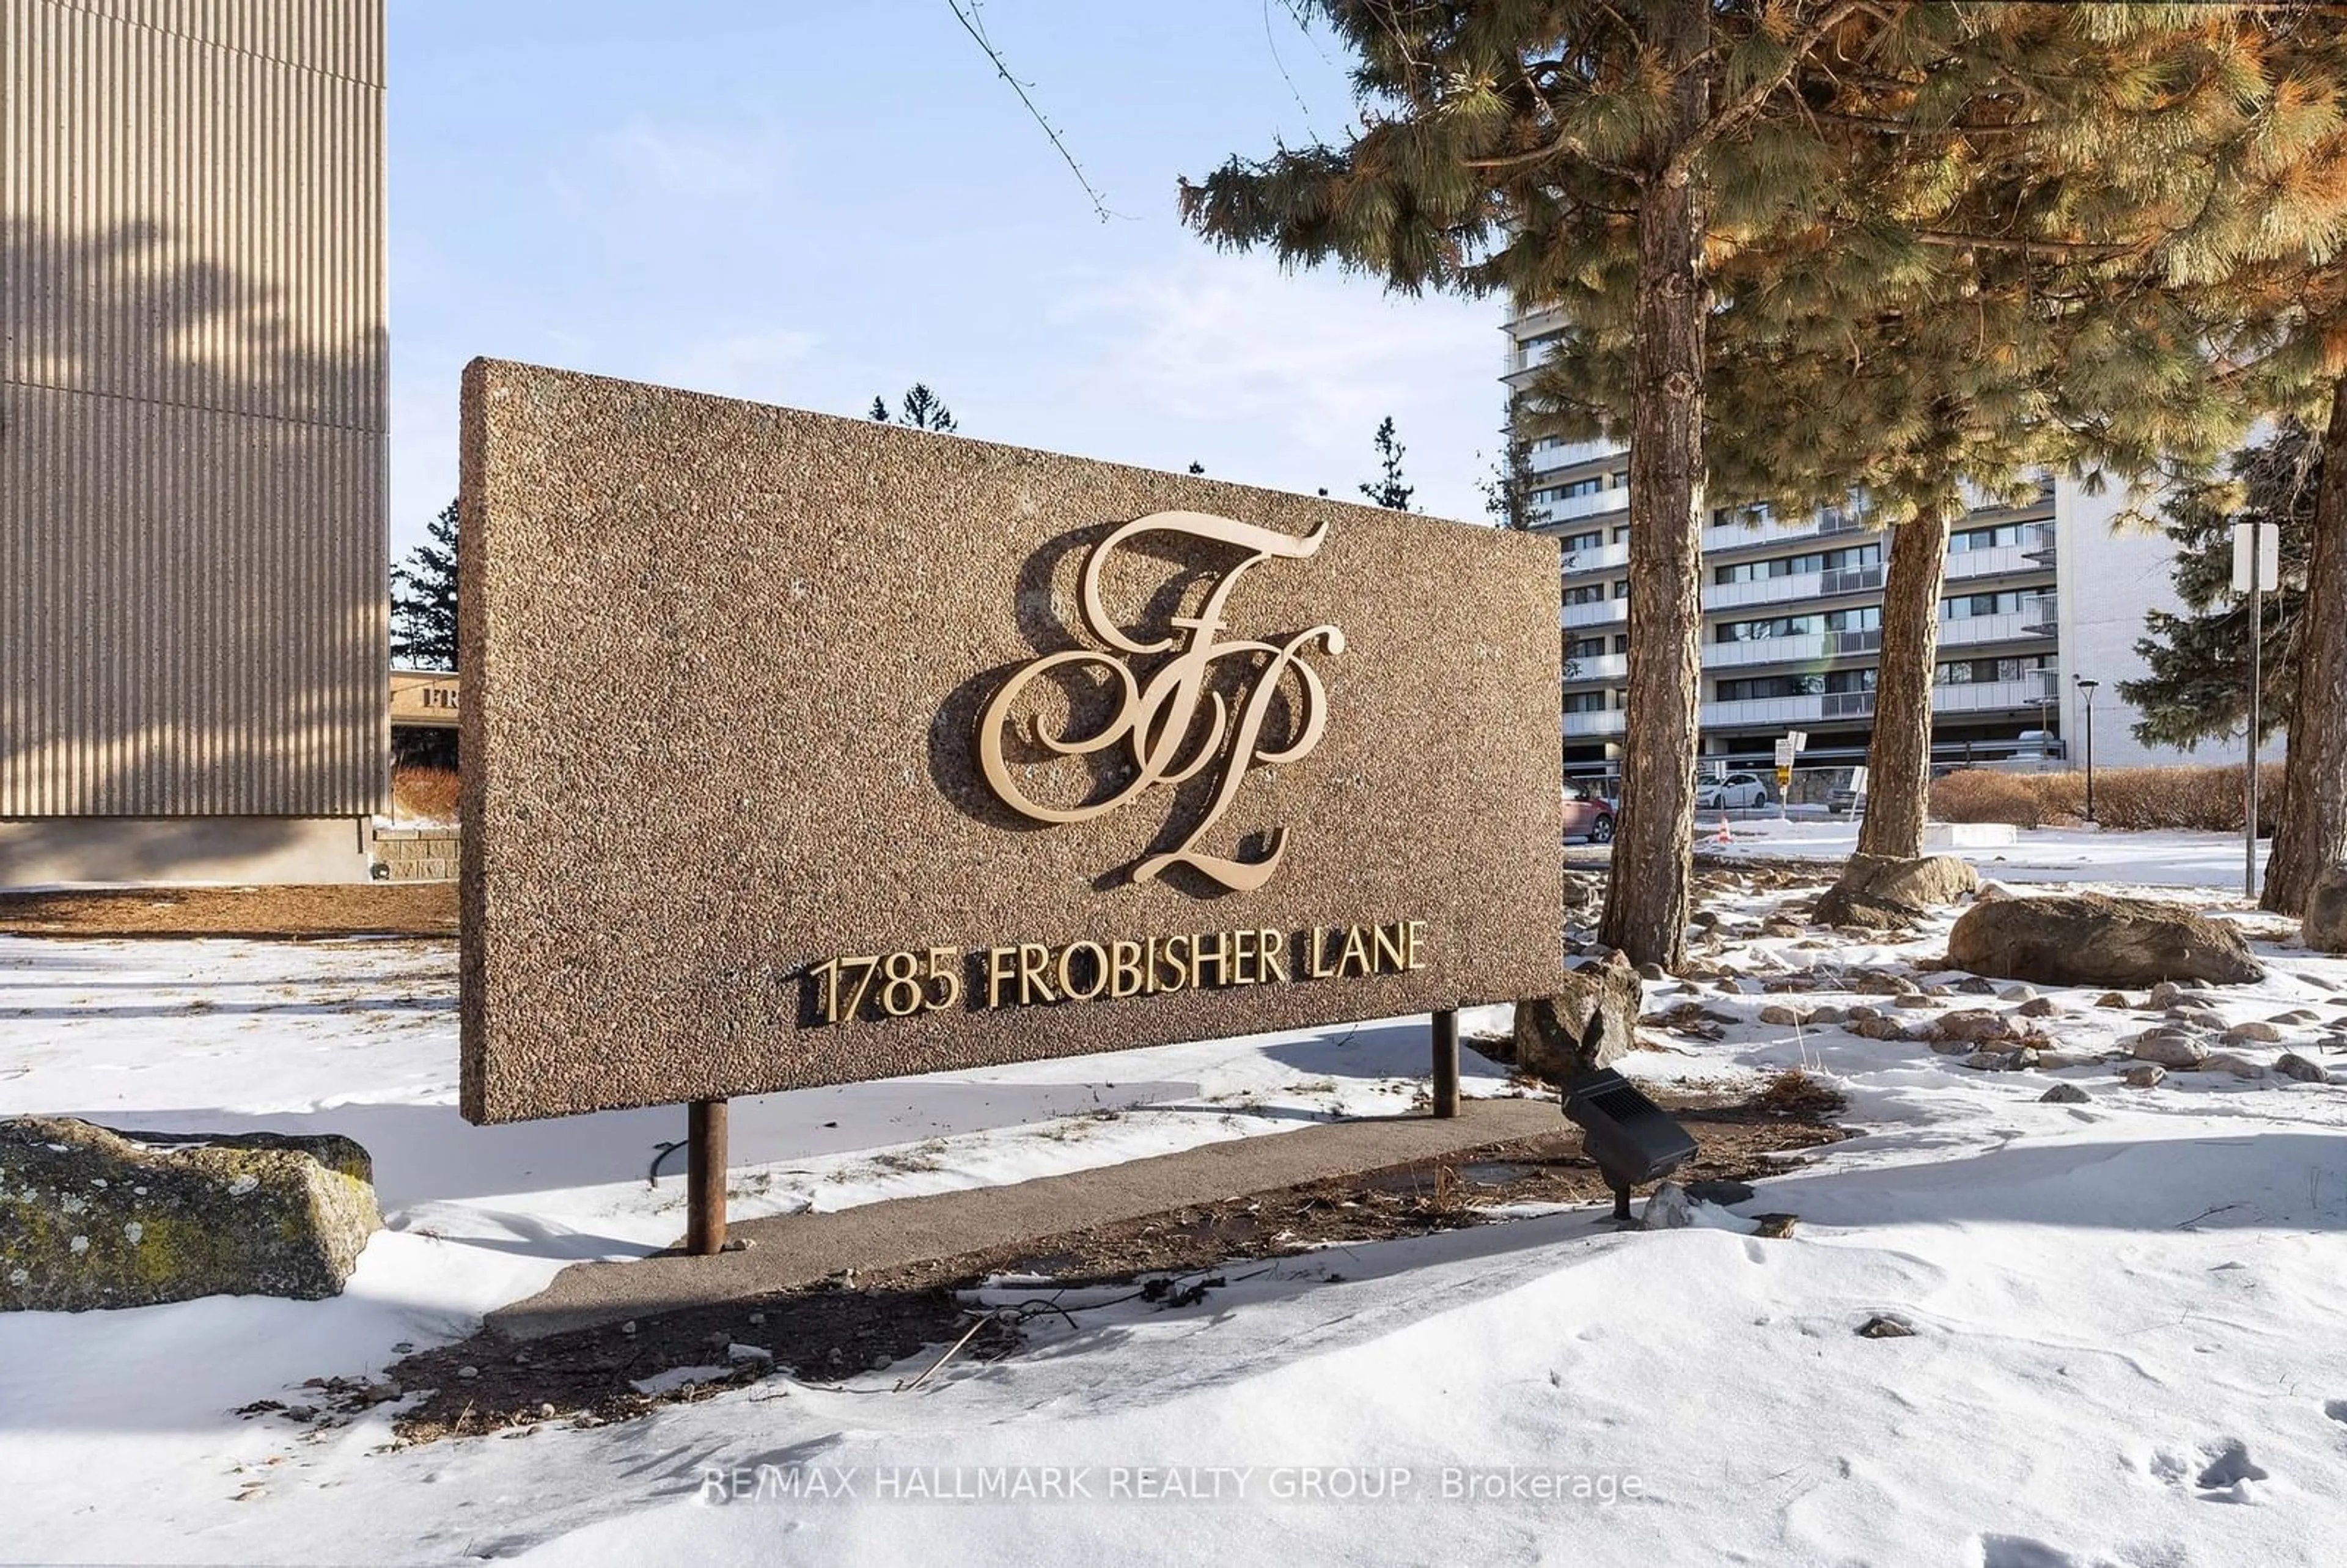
(2036, 595)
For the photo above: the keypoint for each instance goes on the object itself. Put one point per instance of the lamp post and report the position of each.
(2086, 688)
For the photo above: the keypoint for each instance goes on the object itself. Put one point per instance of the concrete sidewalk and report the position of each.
(801, 1249)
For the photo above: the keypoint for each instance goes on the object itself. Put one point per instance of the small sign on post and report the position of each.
(2257, 558)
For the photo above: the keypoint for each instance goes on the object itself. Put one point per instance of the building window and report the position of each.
(1621, 588)
(1584, 593)
(1970, 606)
(1980, 671)
(1586, 648)
(2002, 536)
(1805, 565)
(1585, 702)
(1594, 539)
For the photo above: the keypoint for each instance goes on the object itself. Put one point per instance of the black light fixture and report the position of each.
(2086, 688)
(1629, 1137)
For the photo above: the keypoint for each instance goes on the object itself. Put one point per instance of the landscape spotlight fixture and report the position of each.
(1629, 1137)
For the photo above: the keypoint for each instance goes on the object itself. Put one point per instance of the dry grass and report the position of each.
(1800, 1096)
(2131, 800)
(422, 794)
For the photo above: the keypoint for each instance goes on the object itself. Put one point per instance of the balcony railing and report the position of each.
(1605, 722)
(1736, 534)
(1955, 697)
(2043, 619)
(1967, 630)
(1604, 557)
(1572, 452)
(1801, 650)
(1997, 562)
(1597, 667)
(1793, 590)
(1602, 612)
(1593, 504)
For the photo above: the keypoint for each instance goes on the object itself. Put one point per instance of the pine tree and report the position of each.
(2197, 686)
(1983, 287)
(922, 410)
(424, 599)
(1197, 466)
(1547, 151)
(1388, 491)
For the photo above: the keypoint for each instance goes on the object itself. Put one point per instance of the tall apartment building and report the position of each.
(192, 430)
(2037, 597)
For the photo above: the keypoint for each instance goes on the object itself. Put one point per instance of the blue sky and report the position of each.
(810, 204)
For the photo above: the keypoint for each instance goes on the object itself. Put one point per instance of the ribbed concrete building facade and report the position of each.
(193, 432)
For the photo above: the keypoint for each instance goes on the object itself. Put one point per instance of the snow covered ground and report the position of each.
(2125, 1311)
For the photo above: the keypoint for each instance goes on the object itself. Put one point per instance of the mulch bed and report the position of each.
(849, 1326)
(292, 912)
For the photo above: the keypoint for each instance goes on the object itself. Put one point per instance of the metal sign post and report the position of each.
(2257, 568)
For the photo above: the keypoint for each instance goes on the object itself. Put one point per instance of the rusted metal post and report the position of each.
(1446, 1063)
(705, 1197)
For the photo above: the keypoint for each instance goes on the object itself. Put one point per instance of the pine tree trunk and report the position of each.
(2311, 832)
(1899, 757)
(1646, 897)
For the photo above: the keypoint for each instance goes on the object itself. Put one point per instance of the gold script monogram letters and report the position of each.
(1158, 723)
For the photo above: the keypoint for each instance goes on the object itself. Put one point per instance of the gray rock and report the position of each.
(1591, 1022)
(2163, 994)
(2253, 1033)
(90, 1218)
(2239, 1066)
(2065, 1094)
(1778, 1013)
(2293, 1065)
(2017, 994)
(1881, 892)
(1669, 1209)
(1989, 1060)
(2144, 1075)
(1886, 1326)
(2055, 1061)
(2168, 1050)
(2037, 1007)
(1653, 972)
(2325, 929)
(1826, 1015)
(1972, 1024)
(2091, 938)
(1953, 1046)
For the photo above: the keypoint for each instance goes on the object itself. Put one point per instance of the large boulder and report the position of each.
(2092, 939)
(92, 1217)
(1884, 892)
(1590, 1022)
(2326, 912)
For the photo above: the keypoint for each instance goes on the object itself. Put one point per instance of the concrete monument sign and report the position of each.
(802, 750)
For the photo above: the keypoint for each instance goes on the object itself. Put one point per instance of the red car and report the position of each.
(1587, 816)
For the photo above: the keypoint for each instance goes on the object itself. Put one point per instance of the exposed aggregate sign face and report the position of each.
(804, 750)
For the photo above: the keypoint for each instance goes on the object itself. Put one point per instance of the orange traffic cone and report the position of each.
(1723, 835)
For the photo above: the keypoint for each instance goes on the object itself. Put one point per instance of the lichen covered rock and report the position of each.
(92, 1217)
(1589, 1024)
(1881, 892)
(2091, 939)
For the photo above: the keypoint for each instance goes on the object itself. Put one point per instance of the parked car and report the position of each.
(1587, 816)
(1842, 802)
(1734, 792)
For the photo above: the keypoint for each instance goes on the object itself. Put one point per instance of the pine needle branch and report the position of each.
(1099, 205)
